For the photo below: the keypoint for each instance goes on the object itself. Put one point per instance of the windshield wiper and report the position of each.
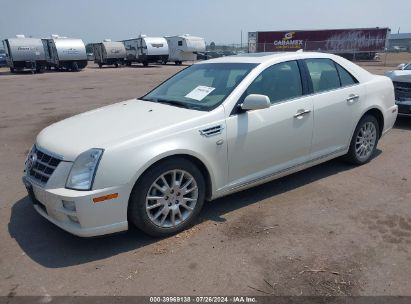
(169, 102)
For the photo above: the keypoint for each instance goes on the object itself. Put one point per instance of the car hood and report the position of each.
(400, 75)
(107, 126)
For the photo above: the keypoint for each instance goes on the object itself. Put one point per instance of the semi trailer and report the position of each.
(356, 43)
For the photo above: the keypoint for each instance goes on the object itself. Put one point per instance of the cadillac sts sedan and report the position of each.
(216, 127)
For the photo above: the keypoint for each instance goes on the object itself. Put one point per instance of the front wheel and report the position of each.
(167, 198)
(364, 141)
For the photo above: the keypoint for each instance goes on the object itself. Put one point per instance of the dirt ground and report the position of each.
(333, 229)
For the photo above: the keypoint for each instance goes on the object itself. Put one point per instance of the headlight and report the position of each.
(82, 173)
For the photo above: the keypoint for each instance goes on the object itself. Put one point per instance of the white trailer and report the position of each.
(184, 47)
(25, 53)
(146, 50)
(65, 53)
(109, 53)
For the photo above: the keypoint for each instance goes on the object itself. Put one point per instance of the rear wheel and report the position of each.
(364, 141)
(167, 198)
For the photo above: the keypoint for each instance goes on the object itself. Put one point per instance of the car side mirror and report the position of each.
(255, 102)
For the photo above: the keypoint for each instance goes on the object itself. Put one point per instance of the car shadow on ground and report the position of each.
(403, 122)
(52, 247)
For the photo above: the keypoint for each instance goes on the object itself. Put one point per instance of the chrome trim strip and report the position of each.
(215, 130)
(46, 164)
(271, 175)
(52, 154)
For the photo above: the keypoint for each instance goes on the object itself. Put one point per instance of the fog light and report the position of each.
(69, 205)
(73, 218)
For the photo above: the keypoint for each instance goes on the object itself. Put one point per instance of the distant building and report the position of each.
(400, 42)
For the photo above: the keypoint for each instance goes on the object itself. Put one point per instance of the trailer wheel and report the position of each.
(40, 69)
(74, 67)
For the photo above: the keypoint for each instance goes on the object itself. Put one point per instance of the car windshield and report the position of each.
(408, 67)
(201, 86)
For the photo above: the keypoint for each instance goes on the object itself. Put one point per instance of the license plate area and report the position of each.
(33, 198)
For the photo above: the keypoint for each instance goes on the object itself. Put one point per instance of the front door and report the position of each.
(268, 141)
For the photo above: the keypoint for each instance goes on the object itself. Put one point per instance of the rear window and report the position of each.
(323, 73)
(346, 78)
(327, 75)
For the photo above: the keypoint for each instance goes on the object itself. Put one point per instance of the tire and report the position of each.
(116, 65)
(12, 70)
(154, 221)
(145, 63)
(364, 141)
(74, 67)
(100, 65)
(128, 63)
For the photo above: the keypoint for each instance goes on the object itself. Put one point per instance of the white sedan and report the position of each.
(216, 127)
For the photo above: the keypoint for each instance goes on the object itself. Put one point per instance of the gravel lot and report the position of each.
(330, 230)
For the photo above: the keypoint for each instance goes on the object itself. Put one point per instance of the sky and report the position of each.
(221, 21)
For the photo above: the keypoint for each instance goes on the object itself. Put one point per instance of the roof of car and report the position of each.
(264, 57)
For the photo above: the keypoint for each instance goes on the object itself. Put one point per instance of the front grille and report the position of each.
(40, 166)
(402, 90)
(404, 109)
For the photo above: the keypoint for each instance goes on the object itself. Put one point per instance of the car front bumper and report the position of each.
(404, 108)
(89, 218)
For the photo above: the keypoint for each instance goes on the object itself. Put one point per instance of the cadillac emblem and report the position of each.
(31, 160)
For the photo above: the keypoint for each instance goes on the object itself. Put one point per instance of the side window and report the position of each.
(346, 78)
(180, 43)
(324, 75)
(279, 82)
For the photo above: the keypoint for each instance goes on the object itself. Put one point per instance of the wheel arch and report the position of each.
(377, 113)
(195, 159)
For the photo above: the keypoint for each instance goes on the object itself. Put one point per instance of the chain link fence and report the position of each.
(365, 52)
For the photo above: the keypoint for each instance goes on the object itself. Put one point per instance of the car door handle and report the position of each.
(301, 113)
(353, 98)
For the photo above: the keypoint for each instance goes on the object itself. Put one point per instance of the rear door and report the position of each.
(336, 97)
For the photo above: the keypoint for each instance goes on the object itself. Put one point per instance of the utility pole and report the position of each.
(241, 44)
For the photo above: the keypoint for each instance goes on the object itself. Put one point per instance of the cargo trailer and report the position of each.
(146, 50)
(109, 53)
(64, 53)
(357, 43)
(184, 47)
(25, 53)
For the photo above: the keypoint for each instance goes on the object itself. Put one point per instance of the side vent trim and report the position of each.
(212, 131)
